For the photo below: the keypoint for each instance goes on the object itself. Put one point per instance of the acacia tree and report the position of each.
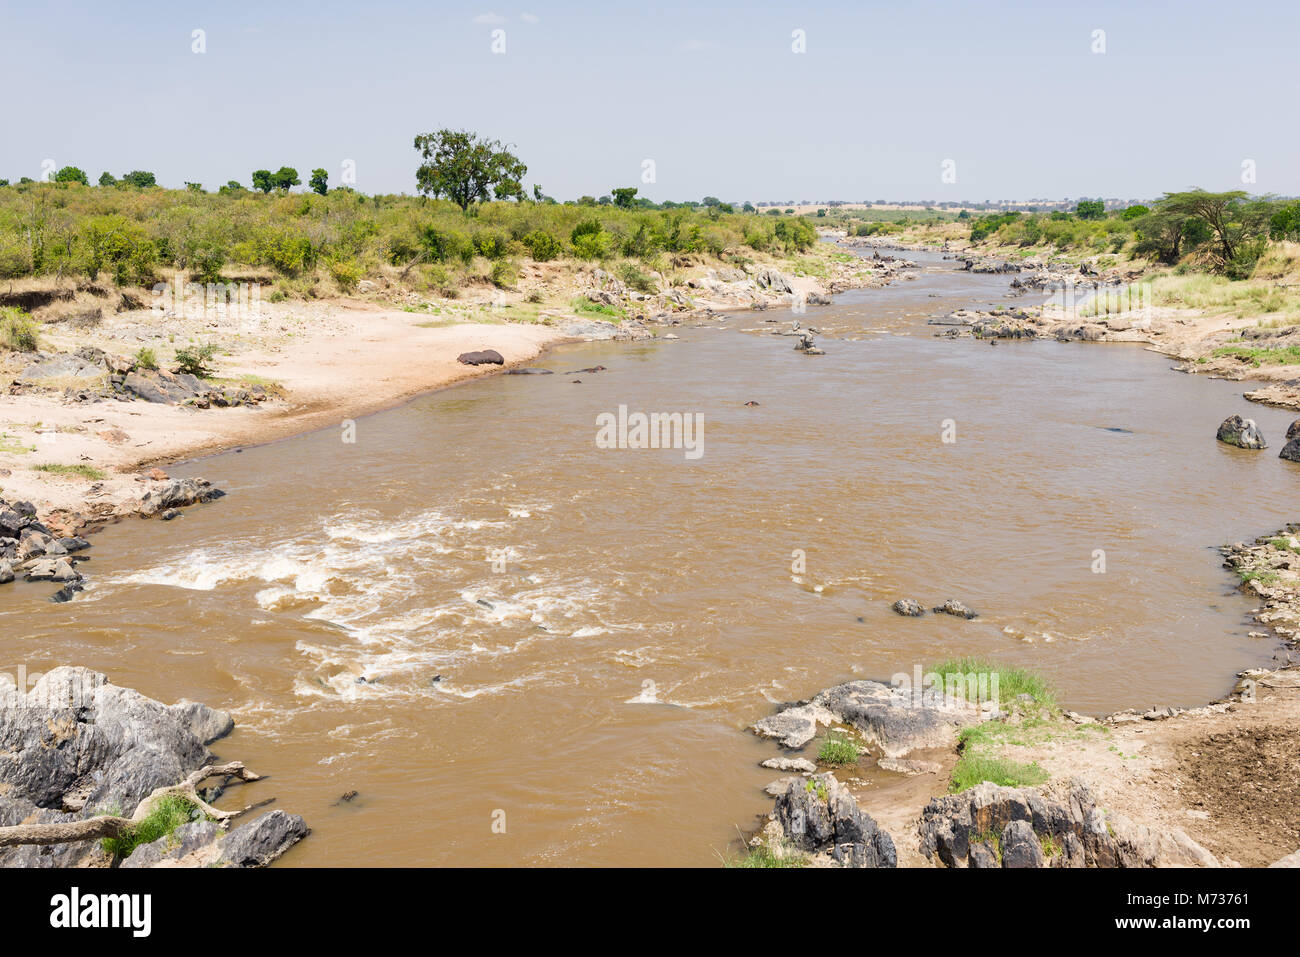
(467, 169)
(1222, 212)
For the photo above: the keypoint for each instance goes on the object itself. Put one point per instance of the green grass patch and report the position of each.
(766, 857)
(85, 471)
(1011, 682)
(1257, 575)
(973, 769)
(585, 307)
(1283, 355)
(168, 813)
(838, 749)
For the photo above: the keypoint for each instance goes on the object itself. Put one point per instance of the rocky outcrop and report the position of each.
(1291, 450)
(178, 493)
(819, 816)
(30, 549)
(891, 719)
(74, 746)
(91, 373)
(992, 826)
(1240, 432)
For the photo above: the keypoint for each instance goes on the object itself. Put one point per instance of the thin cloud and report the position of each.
(489, 18)
(530, 18)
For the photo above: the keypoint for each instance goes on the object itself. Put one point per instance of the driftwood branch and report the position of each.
(112, 826)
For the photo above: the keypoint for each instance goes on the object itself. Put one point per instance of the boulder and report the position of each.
(1240, 432)
(1037, 829)
(178, 493)
(908, 608)
(75, 744)
(1291, 451)
(819, 815)
(891, 719)
(481, 357)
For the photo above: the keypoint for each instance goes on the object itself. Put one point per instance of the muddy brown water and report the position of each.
(606, 622)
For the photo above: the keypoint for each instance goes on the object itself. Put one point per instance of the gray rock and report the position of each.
(52, 570)
(889, 718)
(1020, 847)
(1081, 834)
(908, 607)
(207, 724)
(76, 745)
(260, 842)
(1240, 432)
(6, 573)
(1291, 451)
(789, 764)
(178, 493)
(819, 815)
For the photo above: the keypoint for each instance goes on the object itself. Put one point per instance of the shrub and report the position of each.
(504, 274)
(542, 246)
(18, 331)
(145, 358)
(193, 360)
(346, 272)
(636, 279)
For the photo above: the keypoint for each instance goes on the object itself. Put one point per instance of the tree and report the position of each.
(71, 174)
(466, 168)
(319, 181)
(1222, 212)
(1090, 209)
(1137, 211)
(140, 178)
(1162, 233)
(107, 179)
(194, 187)
(623, 196)
(264, 180)
(286, 177)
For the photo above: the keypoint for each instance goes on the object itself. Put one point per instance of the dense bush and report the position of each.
(130, 234)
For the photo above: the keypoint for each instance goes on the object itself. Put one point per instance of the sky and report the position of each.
(904, 99)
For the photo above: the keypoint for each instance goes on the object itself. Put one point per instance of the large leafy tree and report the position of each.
(1224, 213)
(467, 169)
(264, 180)
(286, 176)
(71, 174)
(319, 181)
(140, 178)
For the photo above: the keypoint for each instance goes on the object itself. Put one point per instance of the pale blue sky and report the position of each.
(1010, 91)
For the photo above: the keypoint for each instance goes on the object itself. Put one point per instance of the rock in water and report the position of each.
(887, 717)
(908, 607)
(1291, 451)
(481, 357)
(1240, 432)
(75, 743)
(955, 608)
